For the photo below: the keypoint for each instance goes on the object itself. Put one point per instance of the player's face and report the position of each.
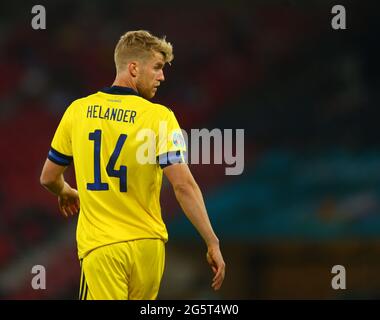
(150, 75)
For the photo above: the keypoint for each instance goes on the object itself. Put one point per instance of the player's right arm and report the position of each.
(190, 198)
(53, 180)
(59, 157)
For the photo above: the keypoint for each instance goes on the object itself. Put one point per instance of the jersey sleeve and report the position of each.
(61, 148)
(171, 145)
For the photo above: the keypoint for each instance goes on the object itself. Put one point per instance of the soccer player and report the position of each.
(120, 144)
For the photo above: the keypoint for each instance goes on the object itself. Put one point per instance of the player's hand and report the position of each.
(215, 260)
(68, 201)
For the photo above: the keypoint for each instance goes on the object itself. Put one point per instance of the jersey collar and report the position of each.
(119, 90)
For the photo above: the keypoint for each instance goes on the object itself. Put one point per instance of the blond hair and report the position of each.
(139, 45)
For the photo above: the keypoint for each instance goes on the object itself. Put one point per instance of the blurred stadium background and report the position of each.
(306, 95)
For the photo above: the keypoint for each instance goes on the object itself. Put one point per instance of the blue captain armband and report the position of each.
(59, 158)
(166, 159)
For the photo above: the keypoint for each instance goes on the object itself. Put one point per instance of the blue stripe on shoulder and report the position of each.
(166, 159)
(59, 158)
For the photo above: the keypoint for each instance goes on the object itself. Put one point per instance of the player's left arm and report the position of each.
(53, 180)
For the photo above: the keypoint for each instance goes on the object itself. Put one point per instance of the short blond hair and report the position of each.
(140, 44)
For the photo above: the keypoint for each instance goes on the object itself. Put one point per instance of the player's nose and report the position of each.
(161, 76)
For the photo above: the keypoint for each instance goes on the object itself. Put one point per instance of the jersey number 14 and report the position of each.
(98, 185)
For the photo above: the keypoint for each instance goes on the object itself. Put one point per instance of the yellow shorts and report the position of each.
(130, 270)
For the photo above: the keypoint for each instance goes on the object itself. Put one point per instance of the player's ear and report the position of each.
(133, 69)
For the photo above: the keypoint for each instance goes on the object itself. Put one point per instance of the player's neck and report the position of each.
(123, 82)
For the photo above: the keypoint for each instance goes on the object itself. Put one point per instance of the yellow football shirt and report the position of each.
(119, 143)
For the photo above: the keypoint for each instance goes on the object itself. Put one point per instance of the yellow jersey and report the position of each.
(119, 143)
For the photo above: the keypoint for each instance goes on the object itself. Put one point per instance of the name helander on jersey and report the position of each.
(109, 113)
